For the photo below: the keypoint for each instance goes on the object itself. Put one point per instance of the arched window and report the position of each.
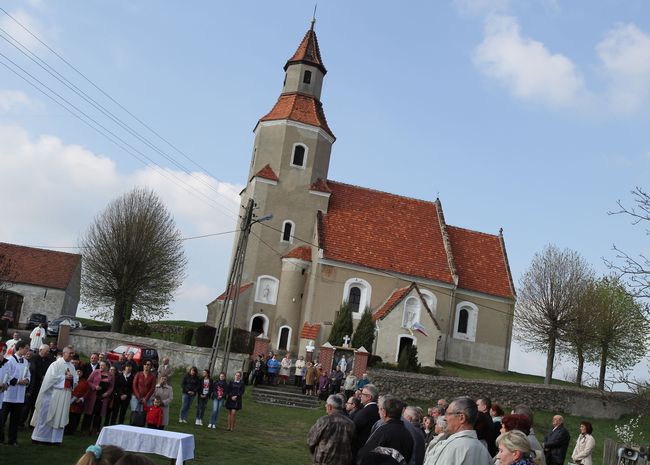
(259, 324)
(287, 231)
(411, 312)
(356, 293)
(307, 77)
(299, 155)
(431, 300)
(466, 321)
(284, 337)
(354, 298)
(266, 291)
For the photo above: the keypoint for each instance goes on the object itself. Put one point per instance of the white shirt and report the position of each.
(18, 369)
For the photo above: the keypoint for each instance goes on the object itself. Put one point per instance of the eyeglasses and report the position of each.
(366, 394)
(455, 413)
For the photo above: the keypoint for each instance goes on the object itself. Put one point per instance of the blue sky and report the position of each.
(528, 115)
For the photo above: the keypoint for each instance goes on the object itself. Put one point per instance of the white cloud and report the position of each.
(22, 35)
(625, 58)
(51, 191)
(526, 67)
(10, 99)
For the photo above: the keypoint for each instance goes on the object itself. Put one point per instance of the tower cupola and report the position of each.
(305, 69)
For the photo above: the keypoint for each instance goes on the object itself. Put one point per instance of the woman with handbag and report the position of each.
(584, 445)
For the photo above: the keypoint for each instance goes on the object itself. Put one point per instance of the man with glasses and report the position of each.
(367, 416)
(53, 404)
(352, 407)
(462, 447)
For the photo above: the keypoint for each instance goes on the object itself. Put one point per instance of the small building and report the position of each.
(445, 289)
(38, 281)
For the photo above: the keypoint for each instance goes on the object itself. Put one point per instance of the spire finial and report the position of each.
(313, 17)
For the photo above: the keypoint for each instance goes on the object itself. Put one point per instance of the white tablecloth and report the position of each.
(179, 446)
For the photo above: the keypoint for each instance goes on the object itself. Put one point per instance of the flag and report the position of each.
(419, 328)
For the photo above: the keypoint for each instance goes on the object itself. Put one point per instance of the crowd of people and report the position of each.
(369, 428)
(51, 391)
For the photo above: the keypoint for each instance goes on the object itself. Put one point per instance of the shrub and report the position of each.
(205, 335)
(241, 343)
(374, 361)
(136, 328)
(364, 336)
(342, 326)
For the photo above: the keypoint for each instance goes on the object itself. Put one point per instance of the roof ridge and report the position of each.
(429, 202)
(449, 250)
(472, 230)
(40, 249)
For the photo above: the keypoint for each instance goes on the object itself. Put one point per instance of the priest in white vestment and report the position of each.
(53, 402)
(36, 338)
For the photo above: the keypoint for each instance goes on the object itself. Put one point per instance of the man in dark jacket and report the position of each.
(556, 442)
(392, 434)
(367, 416)
(122, 394)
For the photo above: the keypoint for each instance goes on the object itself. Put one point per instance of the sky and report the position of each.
(531, 116)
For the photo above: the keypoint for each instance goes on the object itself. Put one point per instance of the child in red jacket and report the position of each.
(154, 413)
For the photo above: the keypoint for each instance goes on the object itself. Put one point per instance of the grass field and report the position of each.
(264, 434)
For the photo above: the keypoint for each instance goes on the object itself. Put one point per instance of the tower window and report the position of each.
(298, 156)
(307, 77)
(287, 231)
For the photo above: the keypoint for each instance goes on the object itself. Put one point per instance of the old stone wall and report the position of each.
(180, 355)
(561, 399)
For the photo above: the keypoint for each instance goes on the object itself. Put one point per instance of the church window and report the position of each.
(411, 312)
(356, 293)
(299, 156)
(354, 298)
(466, 321)
(284, 337)
(307, 77)
(287, 231)
(266, 291)
(430, 299)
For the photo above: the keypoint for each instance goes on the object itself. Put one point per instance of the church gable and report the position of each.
(397, 297)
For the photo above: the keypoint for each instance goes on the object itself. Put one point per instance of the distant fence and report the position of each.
(610, 452)
(180, 355)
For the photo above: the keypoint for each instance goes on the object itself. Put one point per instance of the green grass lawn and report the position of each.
(264, 434)
(465, 371)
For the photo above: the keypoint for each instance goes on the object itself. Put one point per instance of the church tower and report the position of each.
(291, 156)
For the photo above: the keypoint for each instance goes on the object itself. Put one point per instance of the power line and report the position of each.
(75, 69)
(104, 131)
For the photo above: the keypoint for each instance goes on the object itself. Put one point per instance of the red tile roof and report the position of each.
(480, 262)
(383, 231)
(301, 108)
(309, 331)
(303, 253)
(242, 289)
(320, 185)
(267, 173)
(393, 299)
(308, 52)
(40, 267)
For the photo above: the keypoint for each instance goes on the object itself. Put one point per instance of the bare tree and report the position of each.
(634, 269)
(133, 259)
(577, 341)
(549, 293)
(621, 327)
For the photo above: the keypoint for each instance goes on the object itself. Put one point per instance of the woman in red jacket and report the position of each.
(101, 383)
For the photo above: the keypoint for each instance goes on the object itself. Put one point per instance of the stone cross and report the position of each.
(346, 341)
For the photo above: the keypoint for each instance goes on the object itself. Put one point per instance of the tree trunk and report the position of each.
(581, 366)
(603, 366)
(550, 360)
(118, 316)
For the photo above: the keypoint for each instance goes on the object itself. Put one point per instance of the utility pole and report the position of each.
(229, 310)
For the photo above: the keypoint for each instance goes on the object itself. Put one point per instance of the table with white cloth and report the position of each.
(177, 446)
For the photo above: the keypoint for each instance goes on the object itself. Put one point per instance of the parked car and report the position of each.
(53, 326)
(36, 319)
(140, 354)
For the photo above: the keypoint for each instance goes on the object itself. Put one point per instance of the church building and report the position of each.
(446, 289)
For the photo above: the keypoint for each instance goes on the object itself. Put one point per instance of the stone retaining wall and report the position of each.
(180, 355)
(561, 399)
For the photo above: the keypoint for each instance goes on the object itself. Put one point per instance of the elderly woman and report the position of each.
(584, 445)
(166, 394)
(101, 384)
(514, 449)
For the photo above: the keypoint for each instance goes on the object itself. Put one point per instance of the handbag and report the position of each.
(138, 418)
